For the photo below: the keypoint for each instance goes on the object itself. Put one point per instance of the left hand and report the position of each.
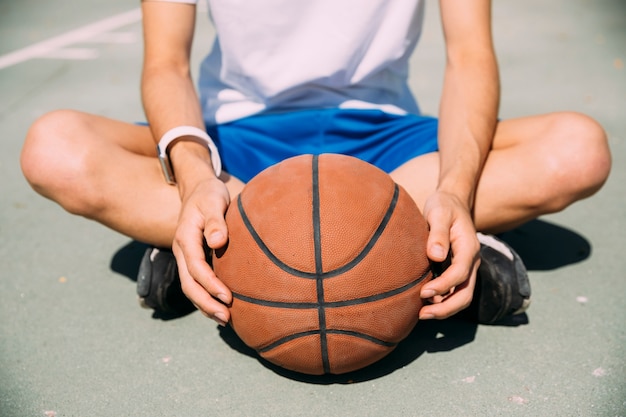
(451, 229)
(202, 219)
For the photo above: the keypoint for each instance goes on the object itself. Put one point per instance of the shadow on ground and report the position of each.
(127, 259)
(545, 246)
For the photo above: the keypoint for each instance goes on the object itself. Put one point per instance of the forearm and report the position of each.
(169, 98)
(470, 97)
(468, 115)
(168, 93)
(171, 101)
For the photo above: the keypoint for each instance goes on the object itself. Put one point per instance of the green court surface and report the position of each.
(73, 341)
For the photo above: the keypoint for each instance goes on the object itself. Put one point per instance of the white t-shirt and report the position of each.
(284, 55)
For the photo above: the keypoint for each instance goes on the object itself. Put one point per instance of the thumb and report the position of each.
(216, 238)
(438, 242)
(216, 231)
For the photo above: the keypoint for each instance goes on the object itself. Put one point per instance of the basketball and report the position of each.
(326, 258)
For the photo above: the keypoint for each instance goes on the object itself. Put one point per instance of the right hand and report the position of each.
(202, 219)
(451, 228)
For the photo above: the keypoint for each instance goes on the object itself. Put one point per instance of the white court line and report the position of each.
(51, 46)
(72, 53)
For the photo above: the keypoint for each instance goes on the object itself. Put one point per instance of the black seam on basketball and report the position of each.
(332, 304)
(319, 268)
(362, 336)
(286, 339)
(329, 274)
(295, 336)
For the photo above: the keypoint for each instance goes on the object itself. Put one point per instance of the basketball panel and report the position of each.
(347, 353)
(245, 269)
(397, 258)
(389, 319)
(301, 355)
(260, 326)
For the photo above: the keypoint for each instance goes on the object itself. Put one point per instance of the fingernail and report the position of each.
(222, 297)
(215, 237)
(438, 252)
(427, 316)
(220, 318)
(428, 293)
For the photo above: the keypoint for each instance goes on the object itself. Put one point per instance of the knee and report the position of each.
(45, 147)
(579, 159)
(55, 162)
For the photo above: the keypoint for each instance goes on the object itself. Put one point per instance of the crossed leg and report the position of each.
(104, 170)
(537, 165)
(107, 170)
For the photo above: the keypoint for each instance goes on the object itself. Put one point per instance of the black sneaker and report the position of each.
(502, 286)
(158, 284)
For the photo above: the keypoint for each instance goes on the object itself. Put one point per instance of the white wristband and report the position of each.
(178, 132)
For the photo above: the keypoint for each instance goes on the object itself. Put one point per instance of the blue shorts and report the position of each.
(249, 145)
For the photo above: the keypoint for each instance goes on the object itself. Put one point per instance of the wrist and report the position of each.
(183, 135)
(192, 164)
(464, 193)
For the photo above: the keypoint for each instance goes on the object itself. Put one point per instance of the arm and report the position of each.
(468, 115)
(168, 94)
(170, 100)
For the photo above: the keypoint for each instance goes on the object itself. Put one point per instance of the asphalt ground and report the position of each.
(73, 341)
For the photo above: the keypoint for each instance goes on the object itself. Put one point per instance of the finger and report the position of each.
(464, 252)
(457, 301)
(194, 256)
(198, 295)
(189, 240)
(456, 274)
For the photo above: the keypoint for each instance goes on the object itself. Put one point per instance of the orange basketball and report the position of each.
(326, 259)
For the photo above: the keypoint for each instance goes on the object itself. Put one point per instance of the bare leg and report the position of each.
(537, 165)
(104, 170)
